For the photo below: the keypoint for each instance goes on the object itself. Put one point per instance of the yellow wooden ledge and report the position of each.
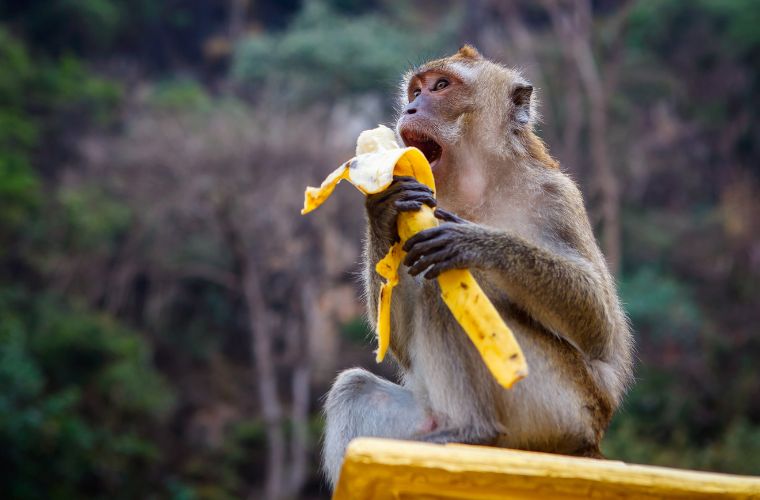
(379, 469)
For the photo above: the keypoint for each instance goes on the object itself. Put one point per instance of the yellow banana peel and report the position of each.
(378, 159)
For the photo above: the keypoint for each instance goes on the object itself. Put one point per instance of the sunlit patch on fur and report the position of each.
(469, 52)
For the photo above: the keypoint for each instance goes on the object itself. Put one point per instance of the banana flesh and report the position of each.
(378, 159)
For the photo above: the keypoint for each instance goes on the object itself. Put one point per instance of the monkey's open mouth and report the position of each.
(431, 149)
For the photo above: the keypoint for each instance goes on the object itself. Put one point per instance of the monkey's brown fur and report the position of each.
(528, 240)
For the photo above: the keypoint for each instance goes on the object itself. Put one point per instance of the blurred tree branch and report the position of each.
(572, 22)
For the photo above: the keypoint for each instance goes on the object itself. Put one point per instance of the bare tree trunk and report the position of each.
(573, 27)
(301, 392)
(571, 131)
(608, 188)
(299, 443)
(263, 361)
(522, 52)
(262, 353)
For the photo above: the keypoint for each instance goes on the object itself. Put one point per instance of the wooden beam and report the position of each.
(380, 469)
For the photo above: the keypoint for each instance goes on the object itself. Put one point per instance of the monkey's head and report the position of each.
(463, 107)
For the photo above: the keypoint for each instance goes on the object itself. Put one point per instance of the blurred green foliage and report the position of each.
(698, 42)
(660, 304)
(18, 134)
(89, 27)
(735, 451)
(325, 54)
(78, 395)
(35, 95)
(91, 217)
(180, 94)
(357, 331)
(654, 23)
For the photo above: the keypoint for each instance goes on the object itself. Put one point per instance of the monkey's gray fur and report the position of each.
(524, 233)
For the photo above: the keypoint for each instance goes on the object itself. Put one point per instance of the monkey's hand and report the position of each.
(405, 194)
(452, 245)
(447, 216)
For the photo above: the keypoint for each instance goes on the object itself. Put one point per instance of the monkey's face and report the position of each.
(429, 121)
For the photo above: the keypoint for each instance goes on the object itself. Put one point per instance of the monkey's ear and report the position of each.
(521, 102)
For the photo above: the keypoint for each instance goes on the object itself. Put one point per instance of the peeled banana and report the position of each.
(378, 159)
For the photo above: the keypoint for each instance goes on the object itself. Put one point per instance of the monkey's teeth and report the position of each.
(419, 137)
(429, 147)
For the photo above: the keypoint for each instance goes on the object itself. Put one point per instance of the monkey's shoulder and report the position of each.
(560, 214)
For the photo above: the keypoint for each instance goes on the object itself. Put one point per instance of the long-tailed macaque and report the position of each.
(511, 216)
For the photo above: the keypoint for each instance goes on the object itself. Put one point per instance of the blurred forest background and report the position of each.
(168, 320)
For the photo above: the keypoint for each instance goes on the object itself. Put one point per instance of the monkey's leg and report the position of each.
(362, 404)
(463, 435)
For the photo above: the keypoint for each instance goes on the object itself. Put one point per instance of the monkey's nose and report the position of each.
(410, 110)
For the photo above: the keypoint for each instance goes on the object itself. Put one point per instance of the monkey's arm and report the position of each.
(404, 194)
(562, 291)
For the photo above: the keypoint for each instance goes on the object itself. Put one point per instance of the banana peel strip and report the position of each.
(378, 160)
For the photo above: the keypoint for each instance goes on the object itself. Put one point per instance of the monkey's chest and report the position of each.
(436, 337)
(446, 369)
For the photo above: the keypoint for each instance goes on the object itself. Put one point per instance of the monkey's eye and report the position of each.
(416, 92)
(441, 84)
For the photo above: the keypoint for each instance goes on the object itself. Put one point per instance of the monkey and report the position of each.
(509, 214)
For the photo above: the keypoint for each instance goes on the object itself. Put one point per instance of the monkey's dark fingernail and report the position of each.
(412, 257)
(430, 248)
(411, 242)
(422, 235)
(441, 267)
(409, 260)
(419, 266)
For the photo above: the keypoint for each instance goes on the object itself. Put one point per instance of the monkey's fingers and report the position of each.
(421, 197)
(443, 266)
(400, 179)
(403, 192)
(447, 216)
(408, 206)
(422, 248)
(406, 184)
(437, 262)
(428, 234)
